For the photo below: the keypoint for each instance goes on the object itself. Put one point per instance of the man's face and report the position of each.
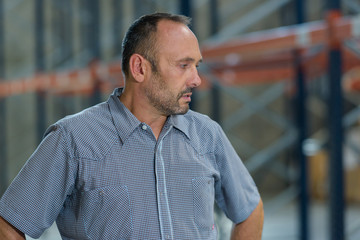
(178, 55)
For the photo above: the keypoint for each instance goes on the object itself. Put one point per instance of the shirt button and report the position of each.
(167, 236)
(144, 127)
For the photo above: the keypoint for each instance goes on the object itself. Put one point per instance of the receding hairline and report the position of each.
(155, 35)
(150, 47)
(152, 53)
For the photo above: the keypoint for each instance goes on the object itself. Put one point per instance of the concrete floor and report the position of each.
(283, 224)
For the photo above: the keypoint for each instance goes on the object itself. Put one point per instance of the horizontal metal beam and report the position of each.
(248, 20)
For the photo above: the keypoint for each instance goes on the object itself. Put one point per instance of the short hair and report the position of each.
(141, 38)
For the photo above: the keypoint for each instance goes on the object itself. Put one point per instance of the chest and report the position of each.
(140, 161)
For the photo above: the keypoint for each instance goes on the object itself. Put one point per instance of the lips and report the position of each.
(187, 96)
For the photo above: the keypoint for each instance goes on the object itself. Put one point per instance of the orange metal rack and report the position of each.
(252, 58)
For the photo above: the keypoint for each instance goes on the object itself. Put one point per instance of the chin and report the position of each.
(182, 111)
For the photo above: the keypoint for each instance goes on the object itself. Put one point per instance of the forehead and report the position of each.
(176, 40)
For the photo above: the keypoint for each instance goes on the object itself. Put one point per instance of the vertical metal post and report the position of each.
(39, 35)
(62, 24)
(3, 149)
(214, 17)
(95, 44)
(40, 66)
(336, 169)
(85, 25)
(117, 26)
(186, 8)
(215, 91)
(94, 33)
(70, 107)
(301, 117)
(55, 31)
(302, 132)
(300, 11)
(69, 39)
(336, 174)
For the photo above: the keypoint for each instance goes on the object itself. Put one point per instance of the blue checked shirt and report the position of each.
(101, 174)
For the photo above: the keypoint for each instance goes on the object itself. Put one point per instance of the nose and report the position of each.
(195, 80)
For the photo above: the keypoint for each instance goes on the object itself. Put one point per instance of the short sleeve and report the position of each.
(36, 195)
(236, 192)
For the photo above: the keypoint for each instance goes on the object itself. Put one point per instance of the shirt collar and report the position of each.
(181, 123)
(125, 122)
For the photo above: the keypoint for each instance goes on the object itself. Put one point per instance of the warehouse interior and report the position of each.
(282, 77)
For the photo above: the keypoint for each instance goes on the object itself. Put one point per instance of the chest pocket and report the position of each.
(203, 195)
(107, 213)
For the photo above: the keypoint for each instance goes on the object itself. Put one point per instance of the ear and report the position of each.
(137, 65)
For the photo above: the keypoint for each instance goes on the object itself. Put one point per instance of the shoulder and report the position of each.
(201, 122)
(90, 132)
(94, 115)
(202, 131)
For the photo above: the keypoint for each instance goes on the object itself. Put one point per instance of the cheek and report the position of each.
(174, 81)
(175, 78)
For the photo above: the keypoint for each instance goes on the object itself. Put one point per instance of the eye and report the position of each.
(184, 65)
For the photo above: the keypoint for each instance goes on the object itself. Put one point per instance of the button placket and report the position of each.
(163, 203)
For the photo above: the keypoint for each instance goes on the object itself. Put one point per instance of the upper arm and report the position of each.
(36, 196)
(8, 231)
(252, 227)
(237, 194)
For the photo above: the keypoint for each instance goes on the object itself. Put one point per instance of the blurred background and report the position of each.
(282, 77)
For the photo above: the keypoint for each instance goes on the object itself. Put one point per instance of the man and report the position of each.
(141, 165)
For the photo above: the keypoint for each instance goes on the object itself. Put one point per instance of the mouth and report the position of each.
(187, 96)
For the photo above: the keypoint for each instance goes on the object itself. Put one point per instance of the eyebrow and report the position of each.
(189, 59)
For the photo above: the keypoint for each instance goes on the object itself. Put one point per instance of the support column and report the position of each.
(95, 46)
(215, 91)
(186, 8)
(40, 66)
(301, 121)
(336, 169)
(117, 27)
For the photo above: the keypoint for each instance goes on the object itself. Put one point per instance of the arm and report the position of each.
(8, 231)
(251, 228)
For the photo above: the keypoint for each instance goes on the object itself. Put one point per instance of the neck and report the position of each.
(142, 111)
